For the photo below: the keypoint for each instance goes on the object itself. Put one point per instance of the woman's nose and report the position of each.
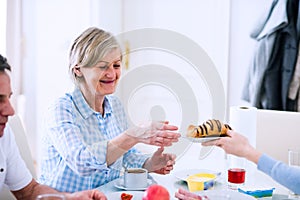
(110, 70)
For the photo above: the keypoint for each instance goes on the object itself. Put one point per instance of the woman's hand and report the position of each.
(155, 133)
(236, 144)
(186, 195)
(161, 163)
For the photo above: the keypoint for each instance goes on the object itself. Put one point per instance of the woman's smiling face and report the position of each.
(102, 79)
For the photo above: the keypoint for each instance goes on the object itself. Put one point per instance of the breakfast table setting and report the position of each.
(257, 185)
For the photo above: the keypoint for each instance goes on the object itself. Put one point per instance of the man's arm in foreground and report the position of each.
(33, 189)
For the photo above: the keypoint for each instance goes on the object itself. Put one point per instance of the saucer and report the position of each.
(120, 184)
(201, 140)
(184, 174)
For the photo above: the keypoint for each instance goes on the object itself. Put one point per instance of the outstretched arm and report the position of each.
(33, 189)
(236, 144)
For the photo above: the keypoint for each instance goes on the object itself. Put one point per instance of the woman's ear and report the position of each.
(77, 71)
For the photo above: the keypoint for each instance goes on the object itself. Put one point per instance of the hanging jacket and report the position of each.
(265, 32)
(282, 63)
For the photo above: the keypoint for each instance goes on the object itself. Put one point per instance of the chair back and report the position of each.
(277, 131)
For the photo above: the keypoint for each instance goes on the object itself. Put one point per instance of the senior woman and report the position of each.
(87, 140)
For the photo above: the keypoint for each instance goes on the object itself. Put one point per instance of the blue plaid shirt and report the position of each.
(74, 145)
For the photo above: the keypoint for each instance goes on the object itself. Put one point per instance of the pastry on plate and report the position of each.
(210, 128)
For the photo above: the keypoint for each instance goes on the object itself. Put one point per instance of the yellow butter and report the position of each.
(201, 181)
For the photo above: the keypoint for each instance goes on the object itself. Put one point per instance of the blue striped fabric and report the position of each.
(75, 142)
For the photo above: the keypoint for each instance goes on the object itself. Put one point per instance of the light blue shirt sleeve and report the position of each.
(282, 173)
(134, 159)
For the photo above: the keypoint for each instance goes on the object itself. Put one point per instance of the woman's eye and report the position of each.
(104, 67)
(117, 65)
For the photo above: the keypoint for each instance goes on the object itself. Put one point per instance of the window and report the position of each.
(3, 27)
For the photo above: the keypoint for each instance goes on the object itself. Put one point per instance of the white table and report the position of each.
(214, 161)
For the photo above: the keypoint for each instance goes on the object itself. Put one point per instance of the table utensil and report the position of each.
(120, 185)
(50, 197)
(200, 140)
(184, 174)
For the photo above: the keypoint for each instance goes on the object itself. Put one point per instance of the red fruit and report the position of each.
(125, 196)
(156, 192)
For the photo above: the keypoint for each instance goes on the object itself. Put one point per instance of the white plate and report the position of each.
(120, 184)
(234, 195)
(201, 140)
(183, 174)
(137, 195)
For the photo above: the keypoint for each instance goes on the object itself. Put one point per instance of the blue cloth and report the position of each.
(75, 143)
(281, 172)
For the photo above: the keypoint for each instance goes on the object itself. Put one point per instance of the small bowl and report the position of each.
(201, 181)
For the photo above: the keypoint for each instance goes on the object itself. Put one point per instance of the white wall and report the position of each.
(50, 26)
(204, 22)
(221, 28)
(244, 15)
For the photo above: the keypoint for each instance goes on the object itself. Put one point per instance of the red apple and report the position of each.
(156, 192)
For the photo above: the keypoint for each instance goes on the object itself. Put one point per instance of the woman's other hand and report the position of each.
(160, 163)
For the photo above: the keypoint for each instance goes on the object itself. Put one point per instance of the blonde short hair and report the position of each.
(89, 48)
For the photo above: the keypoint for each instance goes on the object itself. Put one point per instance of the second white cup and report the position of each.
(135, 178)
(294, 160)
(294, 157)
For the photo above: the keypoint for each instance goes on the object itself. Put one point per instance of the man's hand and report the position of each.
(87, 195)
(186, 195)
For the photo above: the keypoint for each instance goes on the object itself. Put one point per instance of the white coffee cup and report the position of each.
(135, 178)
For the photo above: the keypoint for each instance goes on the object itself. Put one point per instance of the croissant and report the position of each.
(210, 128)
